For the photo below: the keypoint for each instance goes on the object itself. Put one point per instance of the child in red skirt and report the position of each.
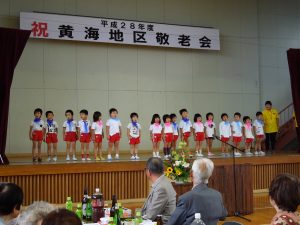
(134, 135)
(209, 130)
(113, 133)
(258, 127)
(198, 131)
(225, 134)
(167, 135)
(248, 135)
(175, 130)
(36, 135)
(97, 135)
(70, 135)
(84, 134)
(237, 135)
(155, 134)
(185, 127)
(50, 136)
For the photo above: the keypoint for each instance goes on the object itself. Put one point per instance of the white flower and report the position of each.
(177, 163)
(186, 165)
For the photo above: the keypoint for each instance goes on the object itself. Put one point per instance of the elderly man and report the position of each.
(200, 199)
(162, 198)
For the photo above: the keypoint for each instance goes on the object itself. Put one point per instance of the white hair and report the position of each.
(202, 170)
(34, 213)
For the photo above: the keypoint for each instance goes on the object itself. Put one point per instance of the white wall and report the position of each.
(57, 75)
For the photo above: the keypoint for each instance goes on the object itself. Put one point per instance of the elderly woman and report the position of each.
(11, 199)
(284, 194)
(201, 199)
(35, 213)
(61, 217)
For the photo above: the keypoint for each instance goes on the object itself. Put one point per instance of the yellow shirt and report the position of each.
(270, 120)
(294, 117)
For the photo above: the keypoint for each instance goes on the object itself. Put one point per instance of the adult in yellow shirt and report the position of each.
(271, 122)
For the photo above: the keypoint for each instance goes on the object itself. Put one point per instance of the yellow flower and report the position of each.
(169, 170)
(178, 172)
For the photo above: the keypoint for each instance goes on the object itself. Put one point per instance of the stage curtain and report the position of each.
(294, 66)
(12, 43)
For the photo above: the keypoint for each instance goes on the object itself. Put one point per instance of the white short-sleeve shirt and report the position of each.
(114, 126)
(210, 128)
(198, 127)
(155, 129)
(84, 126)
(97, 127)
(248, 131)
(225, 129)
(175, 128)
(70, 126)
(259, 127)
(134, 130)
(185, 126)
(37, 125)
(236, 128)
(168, 128)
(50, 127)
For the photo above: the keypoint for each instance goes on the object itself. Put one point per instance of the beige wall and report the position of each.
(56, 75)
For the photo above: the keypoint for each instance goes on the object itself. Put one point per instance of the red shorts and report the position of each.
(260, 136)
(134, 141)
(156, 138)
(168, 137)
(114, 138)
(51, 138)
(175, 138)
(85, 138)
(186, 136)
(236, 139)
(70, 136)
(225, 139)
(200, 136)
(37, 135)
(249, 140)
(98, 138)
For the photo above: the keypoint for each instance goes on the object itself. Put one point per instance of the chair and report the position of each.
(232, 223)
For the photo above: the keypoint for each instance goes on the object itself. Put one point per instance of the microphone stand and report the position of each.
(233, 148)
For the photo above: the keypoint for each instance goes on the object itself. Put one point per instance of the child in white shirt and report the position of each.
(97, 135)
(113, 133)
(209, 130)
(225, 133)
(199, 136)
(84, 132)
(36, 135)
(248, 134)
(236, 130)
(155, 134)
(167, 135)
(70, 135)
(134, 135)
(258, 127)
(50, 136)
(175, 130)
(185, 126)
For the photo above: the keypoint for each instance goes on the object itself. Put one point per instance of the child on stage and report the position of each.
(209, 130)
(225, 133)
(236, 130)
(258, 127)
(248, 134)
(199, 136)
(185, 126)
(167, 135)
(83, 131)
(50, 136)
(134, 135)
(113, 133)
(36, 135)
(97, 135)
(155, 134)
(175, 131)
(70, 135)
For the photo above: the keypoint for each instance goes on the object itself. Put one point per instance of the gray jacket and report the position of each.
(201, 199)
(161, 200)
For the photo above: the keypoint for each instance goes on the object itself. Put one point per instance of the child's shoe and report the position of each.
(117, 156)
(109, 157)
(74, 158)
(97, 158)
(49, 159)
(54, 158)
(68, 158)
(136, 157)
(132, 157)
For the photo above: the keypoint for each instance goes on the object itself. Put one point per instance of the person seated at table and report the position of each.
(284, 195)
(201, 199)
(162, 198)
(61, 217)
(35, 213)
(11, 199)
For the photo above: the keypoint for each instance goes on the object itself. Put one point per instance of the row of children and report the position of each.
(169, 132)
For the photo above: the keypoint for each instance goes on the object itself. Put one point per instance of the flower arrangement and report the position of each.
(178, 166)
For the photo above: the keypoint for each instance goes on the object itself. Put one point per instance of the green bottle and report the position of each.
(111, 221)
(138, 218)
(89, 210)
(79, 211)
(69, 204)
(120, 210)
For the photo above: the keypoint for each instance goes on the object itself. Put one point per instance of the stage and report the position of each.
(55, 181)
